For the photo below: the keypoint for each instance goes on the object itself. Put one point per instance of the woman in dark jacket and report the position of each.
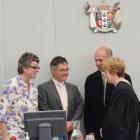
(121, 121)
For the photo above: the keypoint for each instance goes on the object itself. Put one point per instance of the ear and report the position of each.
(112, 73)
(25, 69)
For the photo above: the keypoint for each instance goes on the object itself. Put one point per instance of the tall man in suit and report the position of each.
(57, 94)
(97, 95)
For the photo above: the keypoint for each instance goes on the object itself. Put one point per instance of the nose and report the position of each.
(37, 70)
(98, 63)
(66, 72)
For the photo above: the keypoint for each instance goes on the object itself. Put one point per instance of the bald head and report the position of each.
(105, 50)
(101, 54)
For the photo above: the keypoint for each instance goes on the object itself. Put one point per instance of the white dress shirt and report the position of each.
(61, 88)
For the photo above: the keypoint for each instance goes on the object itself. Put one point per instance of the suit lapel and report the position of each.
(69, 94)
(55, 94)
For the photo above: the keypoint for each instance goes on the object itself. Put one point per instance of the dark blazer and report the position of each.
(121, 119)
(48, 99)
(94, 101)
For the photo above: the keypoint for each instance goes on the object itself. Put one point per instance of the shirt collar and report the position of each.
(57, 82)
(22, 82)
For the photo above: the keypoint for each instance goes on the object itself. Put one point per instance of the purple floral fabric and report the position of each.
(15, 100)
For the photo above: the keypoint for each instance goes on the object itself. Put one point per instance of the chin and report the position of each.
(33, 77)
(64, 79)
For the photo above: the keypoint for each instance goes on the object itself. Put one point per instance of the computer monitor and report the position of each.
(42, 124)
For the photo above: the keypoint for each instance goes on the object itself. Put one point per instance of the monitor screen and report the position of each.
(56, 120)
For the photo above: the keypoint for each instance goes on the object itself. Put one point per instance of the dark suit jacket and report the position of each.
(94, 102)
(121, 119)
(48, 99)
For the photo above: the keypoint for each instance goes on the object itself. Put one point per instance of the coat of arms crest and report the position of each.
(103, 17)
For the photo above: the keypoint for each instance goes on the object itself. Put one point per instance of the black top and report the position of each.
(121, 119)
(94, 101)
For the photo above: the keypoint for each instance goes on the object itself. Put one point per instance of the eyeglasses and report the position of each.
(34, 67)
(64, 70)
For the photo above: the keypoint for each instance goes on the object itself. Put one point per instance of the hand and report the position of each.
(3, 131)
(69, 126)
(90, 136)
(5, 138)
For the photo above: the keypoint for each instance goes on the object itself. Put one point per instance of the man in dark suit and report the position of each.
(97, 95)
(56, 94)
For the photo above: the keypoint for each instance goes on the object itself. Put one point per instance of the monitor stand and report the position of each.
(44, 131)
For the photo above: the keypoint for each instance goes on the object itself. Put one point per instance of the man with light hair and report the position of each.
(97, 94)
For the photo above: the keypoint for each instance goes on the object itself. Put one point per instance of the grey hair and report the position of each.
(58, 60)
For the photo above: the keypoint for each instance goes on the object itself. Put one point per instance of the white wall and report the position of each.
(2, 49)
(53, 27)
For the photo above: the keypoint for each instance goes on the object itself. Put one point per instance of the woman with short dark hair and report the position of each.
(19, 96)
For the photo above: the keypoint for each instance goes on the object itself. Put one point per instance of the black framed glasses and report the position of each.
(35, 67)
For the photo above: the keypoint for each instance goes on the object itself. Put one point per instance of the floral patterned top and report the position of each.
(16, 100)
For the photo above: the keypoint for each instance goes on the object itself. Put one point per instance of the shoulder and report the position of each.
(71, 85)
(94, 76)
(11, 83)
(124, 89)
(72, 88)
(12, 80)
(45, 84)
(124, 85)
